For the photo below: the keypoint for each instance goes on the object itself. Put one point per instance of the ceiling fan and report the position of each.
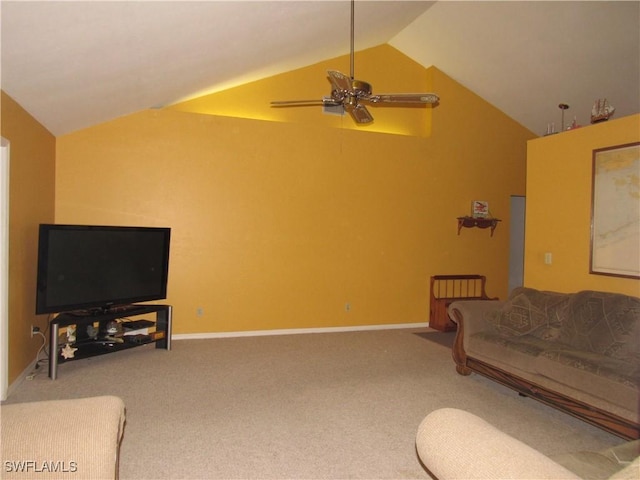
(352, 94)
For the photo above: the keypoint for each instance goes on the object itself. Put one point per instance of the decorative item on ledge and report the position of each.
(480, 209)
(551, 127)
(469, 222)
(601, 111)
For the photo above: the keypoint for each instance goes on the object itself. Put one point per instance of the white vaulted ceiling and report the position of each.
(75, 64)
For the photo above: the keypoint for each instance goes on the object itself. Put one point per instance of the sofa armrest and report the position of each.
(453, 443)
(60, 439)
(471, 314)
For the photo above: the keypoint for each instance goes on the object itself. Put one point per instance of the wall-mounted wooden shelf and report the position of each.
(469, 222)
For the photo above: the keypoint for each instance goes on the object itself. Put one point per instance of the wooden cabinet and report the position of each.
(446, 289)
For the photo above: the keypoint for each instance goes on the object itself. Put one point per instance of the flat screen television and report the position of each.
(94, 268)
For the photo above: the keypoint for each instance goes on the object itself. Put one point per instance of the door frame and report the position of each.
(4, 268)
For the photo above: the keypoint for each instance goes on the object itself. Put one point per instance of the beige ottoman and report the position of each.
(75, 439)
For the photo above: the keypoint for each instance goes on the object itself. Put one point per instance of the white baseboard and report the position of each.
(31, 368)
(294, 331)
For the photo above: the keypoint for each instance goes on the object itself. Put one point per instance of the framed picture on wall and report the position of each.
(615, 211)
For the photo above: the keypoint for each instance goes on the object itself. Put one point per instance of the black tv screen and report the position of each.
(96, 267)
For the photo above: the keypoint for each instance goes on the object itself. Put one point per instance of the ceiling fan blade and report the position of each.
(406, 98)
(360, 114)
(327, 101)
(339, 81)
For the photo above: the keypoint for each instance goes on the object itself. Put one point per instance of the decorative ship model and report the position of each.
(601, 111)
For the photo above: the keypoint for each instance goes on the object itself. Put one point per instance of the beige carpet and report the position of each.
(310, 406)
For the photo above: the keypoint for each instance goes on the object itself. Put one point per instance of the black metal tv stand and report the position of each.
(87, 347)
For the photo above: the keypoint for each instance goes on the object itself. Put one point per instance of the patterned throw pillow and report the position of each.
(519, 316)
(604, 323)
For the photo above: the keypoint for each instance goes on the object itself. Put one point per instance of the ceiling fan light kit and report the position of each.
(352, 94)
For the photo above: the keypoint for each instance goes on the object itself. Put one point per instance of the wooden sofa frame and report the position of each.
(446, 289)
(465, 365)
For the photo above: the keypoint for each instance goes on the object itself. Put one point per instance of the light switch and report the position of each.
(548, 258)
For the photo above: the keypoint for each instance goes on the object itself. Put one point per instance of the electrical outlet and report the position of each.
(34, 330)
(347, 307)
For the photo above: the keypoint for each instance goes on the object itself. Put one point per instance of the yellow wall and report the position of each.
(32, 192)
(281, 224)
(559, 176)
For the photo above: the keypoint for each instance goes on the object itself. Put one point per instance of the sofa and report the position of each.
(578, 352)
(62, 439)
(453, 443)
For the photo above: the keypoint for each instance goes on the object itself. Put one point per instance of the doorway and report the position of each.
(4, 268)
(516, 242)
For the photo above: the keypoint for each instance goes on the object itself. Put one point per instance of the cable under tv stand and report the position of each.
(88, 347)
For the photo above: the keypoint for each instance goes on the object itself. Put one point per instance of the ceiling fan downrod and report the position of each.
(353, 9)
